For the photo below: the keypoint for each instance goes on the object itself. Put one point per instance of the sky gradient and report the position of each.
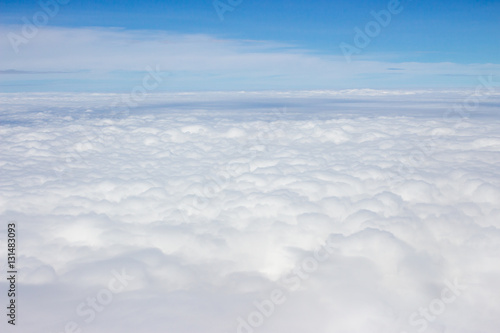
(246, 45)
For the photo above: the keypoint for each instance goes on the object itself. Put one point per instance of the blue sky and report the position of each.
(426, 44)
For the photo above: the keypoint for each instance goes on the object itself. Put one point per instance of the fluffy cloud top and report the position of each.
(203, 211)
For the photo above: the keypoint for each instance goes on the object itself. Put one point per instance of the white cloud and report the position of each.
(203, 61)
(209, 210)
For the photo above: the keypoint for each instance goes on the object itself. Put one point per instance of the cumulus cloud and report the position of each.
(360, 217)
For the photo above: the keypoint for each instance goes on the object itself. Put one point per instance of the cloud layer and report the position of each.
(209, 210)
(102, 58)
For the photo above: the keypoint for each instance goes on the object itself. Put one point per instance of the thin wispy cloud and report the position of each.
(202, 60)
(15, 72)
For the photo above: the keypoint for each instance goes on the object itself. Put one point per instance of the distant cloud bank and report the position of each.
(110, 59)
